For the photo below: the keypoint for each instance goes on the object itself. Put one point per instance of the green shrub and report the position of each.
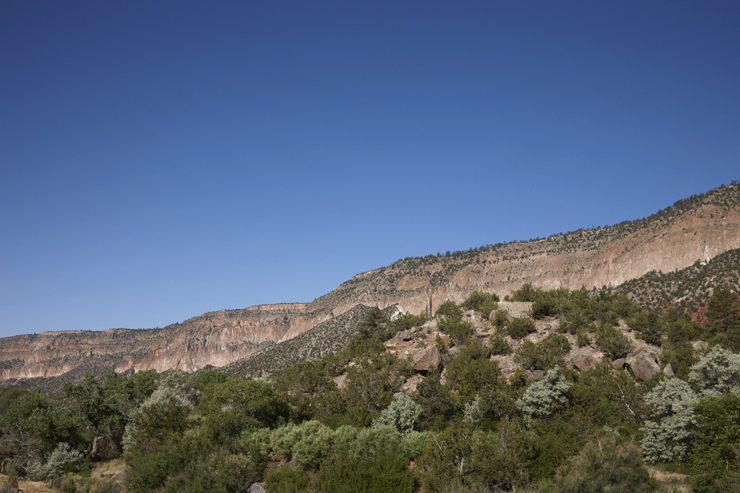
(542, 398)
(714, 457)
(483, 303)
(611, 341)
(449, 310)
(543, 355)
(520, 327)
(601, 467)
(499, 346)
(669, 438)
(526, 293)
(287, 480)
(459, 331)
(373, 471)
(500, 319)
(402, 415)
(582, 339)
(440, 345)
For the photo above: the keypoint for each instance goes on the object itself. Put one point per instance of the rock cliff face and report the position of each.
(695, 229)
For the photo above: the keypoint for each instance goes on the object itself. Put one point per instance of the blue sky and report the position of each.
(163, 159)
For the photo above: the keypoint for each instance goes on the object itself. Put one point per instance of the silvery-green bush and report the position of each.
(402, 414)
(61, 455)
(717, 373)
(541, 397)
(669, 437)
(673, 403)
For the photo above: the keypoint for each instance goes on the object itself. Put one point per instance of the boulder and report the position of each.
(535, 375)
(618, 364)
(642, 363)
(584, 362)
(394, 344)
(447, 340)
(516, 309)
(257, 488)
(700, 345)
(411, 383)
(405, 335)
(431, 360)
(668, 370)
(339, 380)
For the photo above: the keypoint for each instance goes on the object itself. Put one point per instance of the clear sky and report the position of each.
(161, 159)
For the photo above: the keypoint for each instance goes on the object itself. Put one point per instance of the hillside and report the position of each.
(656, 290)
(699, 228)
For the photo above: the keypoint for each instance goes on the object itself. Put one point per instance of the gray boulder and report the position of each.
(257, 488)
(642, 363)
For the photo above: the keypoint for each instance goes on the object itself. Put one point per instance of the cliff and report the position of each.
(695, 229)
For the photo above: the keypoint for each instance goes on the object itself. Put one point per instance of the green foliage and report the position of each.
(499, 346)
(404, 321)
(715, 457)
(717, 373)
(673, 405)
(459, 331)
(59, 459)
(287, 480)
(483, 303)
(375, 323)
(526, 293)
(582, 339)
(603, 466)
(500, 319)
(375, 470)
(402, 414)
(723, 314)
(611, 341)
(436, 401)
(462, 458)
(543, 355)
(238, 405)
(520, 327)
(471, 368)
(449, 310)
(542, 398)
(440, 345)
(370, 386)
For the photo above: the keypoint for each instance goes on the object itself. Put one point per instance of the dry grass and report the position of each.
(27, 486)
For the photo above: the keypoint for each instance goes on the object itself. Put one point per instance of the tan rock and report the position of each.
(447, 340)
(411, 383)
(339, 380)
(668, 371)
(431, 360)
(395, 343)
(516, 309)
(584, 362)
(642, 363)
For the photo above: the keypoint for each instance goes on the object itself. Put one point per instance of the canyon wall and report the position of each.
(670, 240)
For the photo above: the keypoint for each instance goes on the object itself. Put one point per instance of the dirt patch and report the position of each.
(30, 486)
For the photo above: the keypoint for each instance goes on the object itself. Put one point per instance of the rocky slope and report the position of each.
(696, 229)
